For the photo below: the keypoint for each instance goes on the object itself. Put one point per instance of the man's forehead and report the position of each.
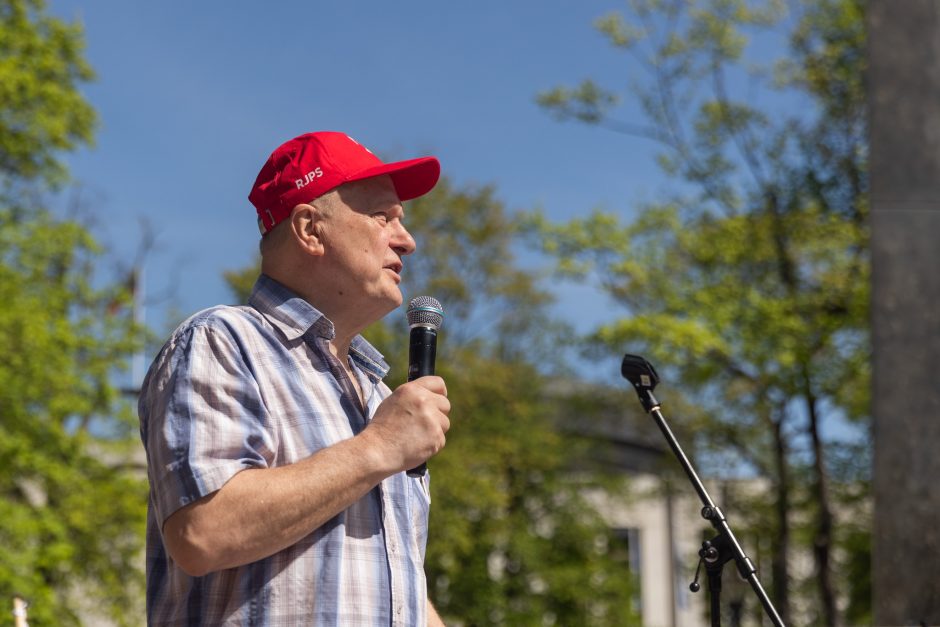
(378, 191)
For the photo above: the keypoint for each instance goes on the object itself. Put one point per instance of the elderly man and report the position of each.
(276, 454)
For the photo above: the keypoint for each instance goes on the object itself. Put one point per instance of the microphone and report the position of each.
(425, 317)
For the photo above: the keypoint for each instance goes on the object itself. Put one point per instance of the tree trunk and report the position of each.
(822, 539)
(781, 541)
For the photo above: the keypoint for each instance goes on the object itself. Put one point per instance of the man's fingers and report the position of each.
(432, 383)
(443, 405)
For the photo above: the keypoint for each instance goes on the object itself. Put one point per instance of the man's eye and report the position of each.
(383, 217)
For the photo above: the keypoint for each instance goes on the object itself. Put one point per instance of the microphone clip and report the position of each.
(639, 372)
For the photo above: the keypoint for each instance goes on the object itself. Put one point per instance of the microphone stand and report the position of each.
(715, 553)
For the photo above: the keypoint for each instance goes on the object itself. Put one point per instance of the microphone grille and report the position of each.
(425, 311)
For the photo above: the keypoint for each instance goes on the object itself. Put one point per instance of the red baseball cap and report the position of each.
(308, 166)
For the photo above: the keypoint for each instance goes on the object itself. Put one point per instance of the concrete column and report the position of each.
(904, 100)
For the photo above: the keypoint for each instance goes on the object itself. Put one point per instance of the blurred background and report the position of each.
(686, 180)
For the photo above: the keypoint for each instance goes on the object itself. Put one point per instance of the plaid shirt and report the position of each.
(256, 387)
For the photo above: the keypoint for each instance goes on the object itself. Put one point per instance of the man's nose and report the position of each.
(402, 241)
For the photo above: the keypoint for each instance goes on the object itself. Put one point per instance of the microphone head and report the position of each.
(426, 312)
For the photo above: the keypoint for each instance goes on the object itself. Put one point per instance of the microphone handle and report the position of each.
(422, 351)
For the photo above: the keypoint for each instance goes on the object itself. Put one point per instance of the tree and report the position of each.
(514, 539)
(71, 504)
(41, 110)
(751, 284)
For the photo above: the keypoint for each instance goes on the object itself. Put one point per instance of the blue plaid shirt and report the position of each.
(255, 387)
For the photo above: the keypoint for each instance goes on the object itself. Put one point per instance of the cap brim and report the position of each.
(412, 178)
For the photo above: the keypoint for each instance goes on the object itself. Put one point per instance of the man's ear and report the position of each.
(305, 228)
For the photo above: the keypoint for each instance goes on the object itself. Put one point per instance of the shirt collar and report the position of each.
(295, 317)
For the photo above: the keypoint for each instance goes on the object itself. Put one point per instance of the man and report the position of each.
(276, 455)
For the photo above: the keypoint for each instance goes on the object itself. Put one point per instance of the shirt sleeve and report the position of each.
(202, 418)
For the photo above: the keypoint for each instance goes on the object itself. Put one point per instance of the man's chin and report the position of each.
(392, 301)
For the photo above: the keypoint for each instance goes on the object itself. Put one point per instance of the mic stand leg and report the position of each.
(715, 554)
(714, 594)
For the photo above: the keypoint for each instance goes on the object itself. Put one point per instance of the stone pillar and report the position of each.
(904, 100)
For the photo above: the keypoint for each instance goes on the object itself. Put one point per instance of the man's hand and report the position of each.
(410, 425)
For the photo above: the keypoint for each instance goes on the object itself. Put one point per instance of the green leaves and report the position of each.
(619, 33)
(41, 110)
(74, 506)
(588, 102)
(72, 499)
(513, 537)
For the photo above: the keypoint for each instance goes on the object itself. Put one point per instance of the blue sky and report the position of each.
(192, 97)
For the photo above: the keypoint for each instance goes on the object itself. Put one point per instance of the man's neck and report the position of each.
(340, 348)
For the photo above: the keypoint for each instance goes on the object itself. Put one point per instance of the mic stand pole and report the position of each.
(723, 547)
